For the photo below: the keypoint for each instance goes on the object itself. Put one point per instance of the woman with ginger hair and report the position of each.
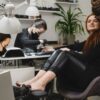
(73, 70)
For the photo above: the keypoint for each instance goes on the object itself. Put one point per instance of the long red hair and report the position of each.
(93, 38)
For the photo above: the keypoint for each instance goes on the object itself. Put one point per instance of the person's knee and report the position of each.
(59, 62)
(50, 60)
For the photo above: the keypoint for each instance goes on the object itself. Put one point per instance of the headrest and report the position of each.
(14, 52)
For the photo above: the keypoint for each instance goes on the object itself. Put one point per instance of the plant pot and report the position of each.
(69, 39)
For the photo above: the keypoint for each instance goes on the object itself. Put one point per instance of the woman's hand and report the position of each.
(33, 30)
(65, 49)
(48, 48)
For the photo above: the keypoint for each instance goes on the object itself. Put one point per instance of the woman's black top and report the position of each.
(93, 55)
(27, 40)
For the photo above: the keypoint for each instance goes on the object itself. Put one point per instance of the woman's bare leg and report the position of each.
(41, 83)
(54, 69)
(28, 82)
(46, 66)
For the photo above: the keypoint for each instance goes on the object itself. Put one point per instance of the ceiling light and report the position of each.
(32, 10)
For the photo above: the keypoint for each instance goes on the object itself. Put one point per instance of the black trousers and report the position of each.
(70, 69)
(59, 59)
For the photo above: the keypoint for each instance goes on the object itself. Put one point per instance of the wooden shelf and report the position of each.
(61, 2)
(48, 11)
(25, 19)
(41, 11)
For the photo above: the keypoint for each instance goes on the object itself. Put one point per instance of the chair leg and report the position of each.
(75, 99)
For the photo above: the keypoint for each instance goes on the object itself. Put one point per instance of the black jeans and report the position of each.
(68, 68)
(51, 60)
(59, 58)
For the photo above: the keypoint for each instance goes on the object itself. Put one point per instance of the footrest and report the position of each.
(39, 93)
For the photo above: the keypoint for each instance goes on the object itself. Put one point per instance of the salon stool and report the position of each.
(39, 95)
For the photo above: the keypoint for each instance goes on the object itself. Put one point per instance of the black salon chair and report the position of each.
(93, 89)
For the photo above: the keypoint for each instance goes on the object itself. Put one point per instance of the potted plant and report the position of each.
(69, 24)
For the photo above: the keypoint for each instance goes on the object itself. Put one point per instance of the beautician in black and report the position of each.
(29, 37)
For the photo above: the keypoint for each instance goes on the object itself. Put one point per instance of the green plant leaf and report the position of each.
(69, 22)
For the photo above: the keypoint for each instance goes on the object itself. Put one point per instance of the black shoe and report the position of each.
(21, 91)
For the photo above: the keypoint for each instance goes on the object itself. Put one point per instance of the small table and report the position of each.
(18, 59)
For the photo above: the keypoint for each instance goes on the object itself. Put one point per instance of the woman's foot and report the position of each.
(34, 79)
(43, 81)
(27, 83)
(37, 86)
(18, 84)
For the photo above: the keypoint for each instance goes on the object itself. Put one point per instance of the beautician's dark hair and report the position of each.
(3, 36)
(40, 23)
